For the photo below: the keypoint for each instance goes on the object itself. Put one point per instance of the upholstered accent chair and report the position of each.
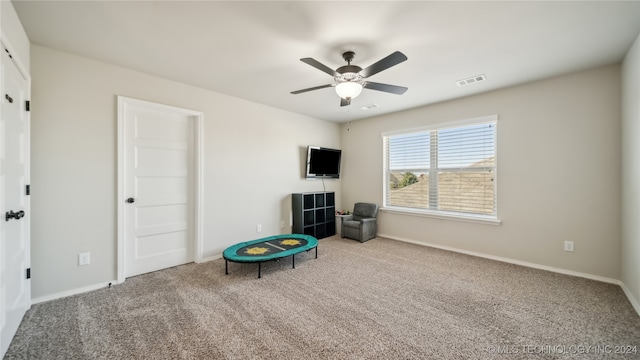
(362, 224)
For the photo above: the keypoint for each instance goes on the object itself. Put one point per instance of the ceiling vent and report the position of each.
(471, 80)
(369, 107)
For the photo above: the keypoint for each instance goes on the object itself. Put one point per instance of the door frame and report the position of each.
(4, 41)
(198, 118)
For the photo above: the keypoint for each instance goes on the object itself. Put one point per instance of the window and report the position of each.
(448, 170)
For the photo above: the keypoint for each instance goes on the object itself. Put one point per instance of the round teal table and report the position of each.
(269, 248)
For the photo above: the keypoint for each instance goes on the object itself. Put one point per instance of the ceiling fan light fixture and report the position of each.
(348, 89)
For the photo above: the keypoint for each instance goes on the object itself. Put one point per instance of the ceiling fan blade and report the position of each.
(316, 64)
(398, 90)
(391, 60)
(312, 88)
(345, 102)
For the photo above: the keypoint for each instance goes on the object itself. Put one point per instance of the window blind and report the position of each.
(447, 169)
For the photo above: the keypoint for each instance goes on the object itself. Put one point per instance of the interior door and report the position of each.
(158, 187)
(15, 292)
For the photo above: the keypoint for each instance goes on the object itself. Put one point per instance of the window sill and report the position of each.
(478, 219)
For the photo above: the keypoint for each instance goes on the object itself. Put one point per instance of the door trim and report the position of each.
(198, 119)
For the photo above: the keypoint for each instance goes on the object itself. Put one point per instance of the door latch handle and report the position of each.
(9, 98)
(13, 215)
(131, 200)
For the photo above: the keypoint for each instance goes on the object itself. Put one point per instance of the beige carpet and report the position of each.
(382, 299)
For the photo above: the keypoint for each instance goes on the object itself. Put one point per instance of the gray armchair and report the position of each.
(362, 224)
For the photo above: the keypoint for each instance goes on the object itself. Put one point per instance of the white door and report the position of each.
(14, 230)
(159, 186)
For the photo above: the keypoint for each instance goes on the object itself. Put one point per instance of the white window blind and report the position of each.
(447, 169)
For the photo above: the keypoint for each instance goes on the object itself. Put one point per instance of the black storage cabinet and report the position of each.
(314, 214)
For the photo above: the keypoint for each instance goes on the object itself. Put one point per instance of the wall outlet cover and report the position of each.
(84, 258)
(568, 246)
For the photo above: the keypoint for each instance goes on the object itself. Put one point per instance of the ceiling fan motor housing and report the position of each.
(349, 73)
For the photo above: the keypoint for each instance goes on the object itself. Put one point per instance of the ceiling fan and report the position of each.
(351, 79)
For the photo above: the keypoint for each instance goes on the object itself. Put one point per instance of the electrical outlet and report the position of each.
(568, 246)
(259, 228)
(281, 224)
(84, 258)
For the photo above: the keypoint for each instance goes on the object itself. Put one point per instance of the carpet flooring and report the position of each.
(382, 299)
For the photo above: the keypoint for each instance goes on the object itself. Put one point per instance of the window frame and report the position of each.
(439, 214)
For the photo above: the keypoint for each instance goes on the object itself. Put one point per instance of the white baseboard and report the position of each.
(210, 258)
(72, 292)
(634, 302)
(510, 261)
(98, 286)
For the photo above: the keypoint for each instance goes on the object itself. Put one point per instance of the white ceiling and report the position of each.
(251, 50)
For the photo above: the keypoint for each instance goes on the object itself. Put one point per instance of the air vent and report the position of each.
(471, 80)
(369, 107)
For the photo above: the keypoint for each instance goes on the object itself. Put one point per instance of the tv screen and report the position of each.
(323, 162)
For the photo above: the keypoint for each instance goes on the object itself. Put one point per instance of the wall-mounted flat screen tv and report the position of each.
(323, 162)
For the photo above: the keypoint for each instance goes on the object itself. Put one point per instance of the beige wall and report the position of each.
(558, 173)
(631, 173)
(253, 160)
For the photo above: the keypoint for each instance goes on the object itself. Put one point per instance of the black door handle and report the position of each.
(131, 200)
(13, 215)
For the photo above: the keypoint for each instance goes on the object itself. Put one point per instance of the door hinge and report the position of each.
(27, 105)
(27, 190)
(29, 273)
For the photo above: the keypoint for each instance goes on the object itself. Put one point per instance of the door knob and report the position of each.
(131, 200)
(13, 215)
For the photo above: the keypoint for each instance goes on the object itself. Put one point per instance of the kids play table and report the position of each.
(269, 248)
